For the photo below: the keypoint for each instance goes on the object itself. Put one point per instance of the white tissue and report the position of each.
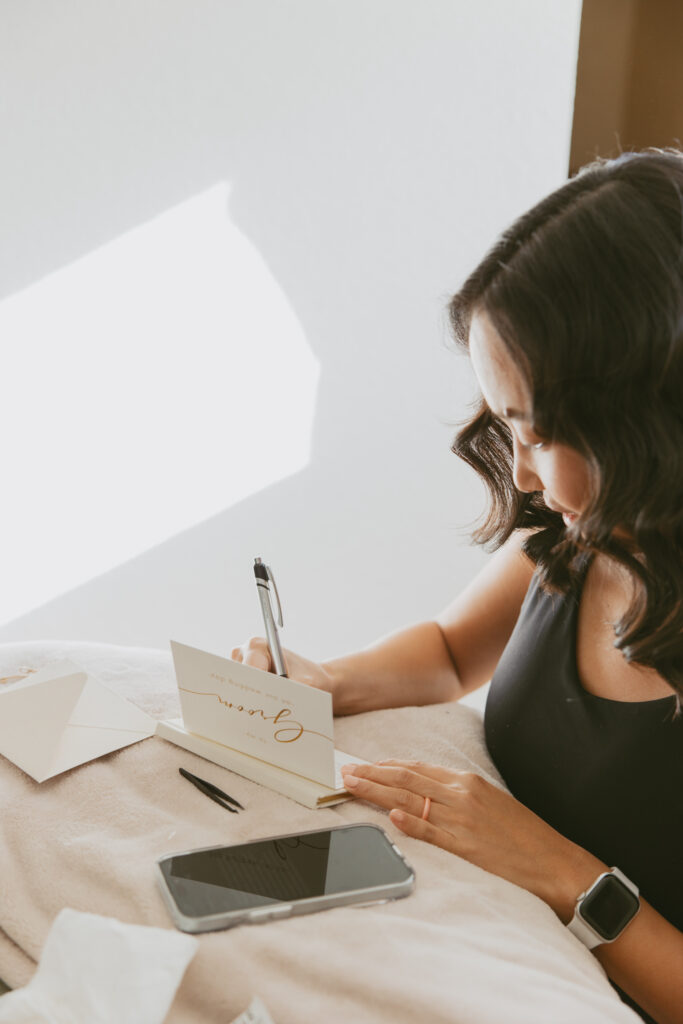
(99, 970)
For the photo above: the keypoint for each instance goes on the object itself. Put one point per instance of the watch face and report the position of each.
(609, 907)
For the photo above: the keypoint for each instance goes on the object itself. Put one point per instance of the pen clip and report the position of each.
(271, 579)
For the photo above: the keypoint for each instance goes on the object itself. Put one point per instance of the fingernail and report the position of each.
(350, 781)
(348, 767)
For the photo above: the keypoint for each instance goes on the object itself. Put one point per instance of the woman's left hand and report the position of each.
(478, 821)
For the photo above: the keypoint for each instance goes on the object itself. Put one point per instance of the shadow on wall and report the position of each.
(337, 128)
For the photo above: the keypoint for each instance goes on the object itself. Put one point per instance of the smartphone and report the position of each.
(281, 876)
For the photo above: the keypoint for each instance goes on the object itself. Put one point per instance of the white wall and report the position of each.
(229, 230)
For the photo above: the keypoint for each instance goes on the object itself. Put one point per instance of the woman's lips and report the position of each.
(568, 517)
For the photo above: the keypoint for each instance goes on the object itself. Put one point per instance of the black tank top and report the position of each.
(606, 774)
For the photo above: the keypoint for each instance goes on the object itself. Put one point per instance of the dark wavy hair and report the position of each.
(586, 292)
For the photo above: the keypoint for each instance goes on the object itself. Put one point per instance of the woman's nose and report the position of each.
(524, 475)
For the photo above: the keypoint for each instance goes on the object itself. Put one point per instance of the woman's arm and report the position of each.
(474, 819)
(646, 961)
(427, 663)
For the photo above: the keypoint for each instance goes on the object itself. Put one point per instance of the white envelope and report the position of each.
(59, 717)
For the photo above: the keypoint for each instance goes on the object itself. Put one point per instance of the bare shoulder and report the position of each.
(478, 623)
(607, 592)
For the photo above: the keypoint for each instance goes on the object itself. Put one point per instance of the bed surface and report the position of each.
(466, 947)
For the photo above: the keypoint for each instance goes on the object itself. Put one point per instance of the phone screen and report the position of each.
(228, 878)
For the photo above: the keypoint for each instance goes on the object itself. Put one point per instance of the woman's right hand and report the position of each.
(255, 652)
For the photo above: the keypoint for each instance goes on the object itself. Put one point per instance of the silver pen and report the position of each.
(265, 584)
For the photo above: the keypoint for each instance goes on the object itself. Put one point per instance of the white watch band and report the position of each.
(580, 928)
(577, 926)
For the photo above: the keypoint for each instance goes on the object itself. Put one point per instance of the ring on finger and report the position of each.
(426, 809)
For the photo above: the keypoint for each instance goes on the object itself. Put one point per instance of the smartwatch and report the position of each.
(603, 911)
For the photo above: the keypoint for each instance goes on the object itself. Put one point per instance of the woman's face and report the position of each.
(560, 472)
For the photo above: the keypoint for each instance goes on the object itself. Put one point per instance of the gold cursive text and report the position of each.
(287, 730)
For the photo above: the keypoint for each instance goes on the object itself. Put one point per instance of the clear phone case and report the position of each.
(400, 882)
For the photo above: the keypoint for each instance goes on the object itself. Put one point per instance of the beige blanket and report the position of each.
(466, 947)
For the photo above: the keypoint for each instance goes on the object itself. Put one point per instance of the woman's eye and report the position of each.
(534, 445)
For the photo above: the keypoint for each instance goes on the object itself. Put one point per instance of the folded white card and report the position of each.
(270, 729)
(60, 717)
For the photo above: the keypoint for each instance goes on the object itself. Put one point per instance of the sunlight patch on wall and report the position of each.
(145, 388)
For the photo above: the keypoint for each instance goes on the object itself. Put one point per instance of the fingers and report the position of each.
(416, 827)
(384, 796)
(254, 652)
(402, 792)
(392, 786)
(432, 771)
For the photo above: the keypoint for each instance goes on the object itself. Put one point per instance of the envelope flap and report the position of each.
(33, 716)
(101, 708)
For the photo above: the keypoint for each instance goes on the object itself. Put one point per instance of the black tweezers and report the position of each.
(213, 792)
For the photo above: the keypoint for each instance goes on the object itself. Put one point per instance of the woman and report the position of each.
(574, 325)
